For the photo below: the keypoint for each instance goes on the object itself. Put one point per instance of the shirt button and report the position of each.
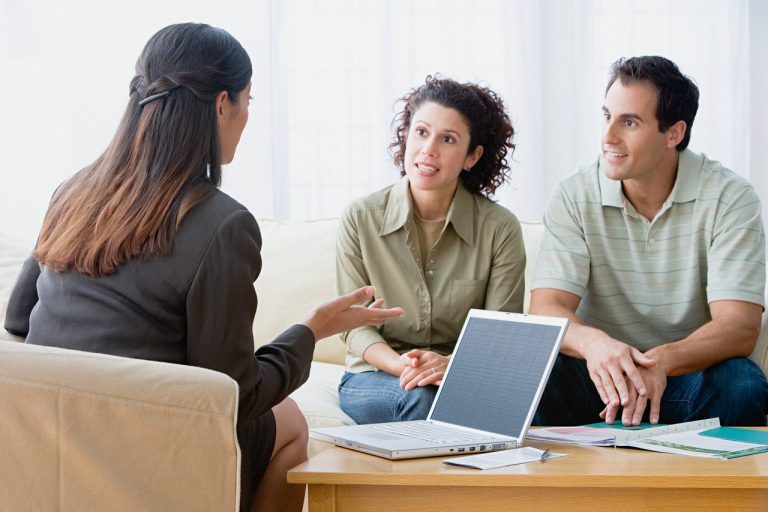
(430, 272)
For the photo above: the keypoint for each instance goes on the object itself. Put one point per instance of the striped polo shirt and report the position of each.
(650, 282)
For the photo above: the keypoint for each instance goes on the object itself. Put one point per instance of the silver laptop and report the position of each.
(488, 397)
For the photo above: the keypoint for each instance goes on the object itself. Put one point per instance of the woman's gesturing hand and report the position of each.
(343, 313)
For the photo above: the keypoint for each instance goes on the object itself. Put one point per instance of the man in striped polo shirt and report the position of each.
(657, 256)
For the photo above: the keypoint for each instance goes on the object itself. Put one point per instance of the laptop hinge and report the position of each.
(470, 429)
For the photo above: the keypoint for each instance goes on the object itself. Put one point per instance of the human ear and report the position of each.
(675, 134)
(220, 102)
(473, 157)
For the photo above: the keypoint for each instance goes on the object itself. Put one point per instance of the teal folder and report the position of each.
(743, 435)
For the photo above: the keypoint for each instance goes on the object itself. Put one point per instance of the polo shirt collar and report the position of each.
(610, 190)
(685, 189)
(688, 180)
(399, 210)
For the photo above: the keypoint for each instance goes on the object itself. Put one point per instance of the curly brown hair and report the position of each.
(489, 126)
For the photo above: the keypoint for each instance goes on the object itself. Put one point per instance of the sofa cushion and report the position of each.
(298, 273)
(318, 398)
(533, 232)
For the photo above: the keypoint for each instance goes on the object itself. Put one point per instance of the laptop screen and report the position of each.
(495, 374)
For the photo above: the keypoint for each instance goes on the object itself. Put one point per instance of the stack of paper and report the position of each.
(596, 434)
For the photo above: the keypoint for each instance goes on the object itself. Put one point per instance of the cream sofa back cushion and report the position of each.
(298, 273)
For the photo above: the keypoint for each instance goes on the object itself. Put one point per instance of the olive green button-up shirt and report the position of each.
(477, 262)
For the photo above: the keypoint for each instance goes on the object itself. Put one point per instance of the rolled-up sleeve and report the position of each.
(506, 282)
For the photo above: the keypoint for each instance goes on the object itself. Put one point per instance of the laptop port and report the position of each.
(482, 448)
(499, 446)
(471, 448)
(461, 449)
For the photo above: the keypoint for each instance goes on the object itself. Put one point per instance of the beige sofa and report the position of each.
(89, 431)
(299, 272)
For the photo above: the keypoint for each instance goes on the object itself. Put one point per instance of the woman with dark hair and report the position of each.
(434, 244)
(141, 255)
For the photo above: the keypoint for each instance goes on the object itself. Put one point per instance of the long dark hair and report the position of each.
(164, 159)
(489, 126)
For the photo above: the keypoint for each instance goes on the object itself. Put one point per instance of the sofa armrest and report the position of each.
(90, 431)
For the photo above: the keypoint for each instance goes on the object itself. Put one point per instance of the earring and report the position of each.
(468, 169)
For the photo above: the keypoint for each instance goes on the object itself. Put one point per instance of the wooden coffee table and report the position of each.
(590, 478)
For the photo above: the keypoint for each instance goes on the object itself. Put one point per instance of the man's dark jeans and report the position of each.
(735, 390)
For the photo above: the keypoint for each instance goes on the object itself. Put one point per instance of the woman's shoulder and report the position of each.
(217, 215)
(493, 212)
(374, 202)
(219, 205)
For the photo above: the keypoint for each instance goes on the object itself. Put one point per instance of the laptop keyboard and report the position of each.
(426, 431)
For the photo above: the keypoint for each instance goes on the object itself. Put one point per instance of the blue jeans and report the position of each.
(735, 390)
(376, 397)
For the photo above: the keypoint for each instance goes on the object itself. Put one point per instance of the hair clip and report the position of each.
(154, 97)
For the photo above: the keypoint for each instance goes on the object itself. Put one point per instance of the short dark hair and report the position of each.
(678, 96)
(489, 126)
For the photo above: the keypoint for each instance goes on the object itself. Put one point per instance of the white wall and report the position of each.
(66, 67)
(335, 67)
(758, 133)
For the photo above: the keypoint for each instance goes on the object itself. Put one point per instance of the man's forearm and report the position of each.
(579, 334)
(732, 332)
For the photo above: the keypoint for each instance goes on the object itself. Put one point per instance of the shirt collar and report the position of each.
(685, 189)
(610, 190)
(688, 179)
(399, 210)
(399, 207)
(461, 215)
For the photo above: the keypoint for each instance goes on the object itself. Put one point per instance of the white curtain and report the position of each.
(327, 74)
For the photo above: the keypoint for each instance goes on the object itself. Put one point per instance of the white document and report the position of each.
(502, 458)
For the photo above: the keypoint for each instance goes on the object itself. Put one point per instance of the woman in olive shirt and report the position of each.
(432, 243)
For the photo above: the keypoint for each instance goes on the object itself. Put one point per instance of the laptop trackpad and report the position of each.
(375, 435)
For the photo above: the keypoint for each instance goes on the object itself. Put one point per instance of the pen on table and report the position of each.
(544, 455)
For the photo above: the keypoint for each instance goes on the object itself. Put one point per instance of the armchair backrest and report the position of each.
(84, 431)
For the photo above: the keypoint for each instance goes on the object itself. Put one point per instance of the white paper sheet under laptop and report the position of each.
(488, 397)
